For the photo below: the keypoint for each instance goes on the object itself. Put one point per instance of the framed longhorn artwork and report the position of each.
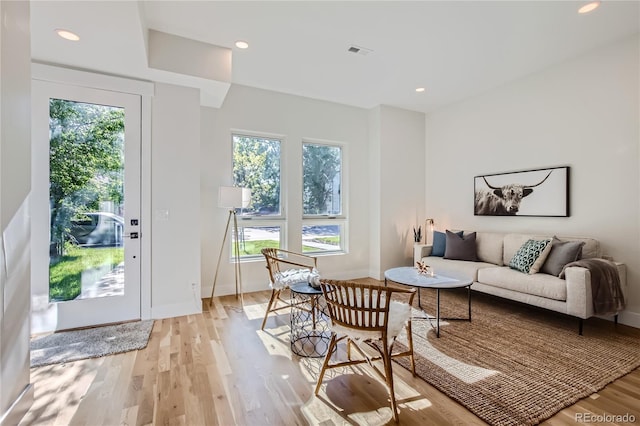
(540, 192)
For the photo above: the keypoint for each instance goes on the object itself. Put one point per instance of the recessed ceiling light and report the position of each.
(420, 89)
(240, 44)
(67, 35)
(589, 7)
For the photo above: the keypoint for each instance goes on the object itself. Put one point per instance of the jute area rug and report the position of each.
(514, 364)
(66, 346)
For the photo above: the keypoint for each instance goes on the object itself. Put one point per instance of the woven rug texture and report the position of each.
(514, 364)
(66, 346)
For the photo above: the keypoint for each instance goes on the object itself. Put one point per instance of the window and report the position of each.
(256, 165)
(321, 169)
(323, 220)
(255, 238)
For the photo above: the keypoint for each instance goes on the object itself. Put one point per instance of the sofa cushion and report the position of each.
(562, 252)
(461, 247)
(460, 269)
(489, 247)
(530, 256)
(542, 285)
(440, 243)
(591, 247)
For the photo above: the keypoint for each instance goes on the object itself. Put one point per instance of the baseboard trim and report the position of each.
(19, 408)
(631, 319)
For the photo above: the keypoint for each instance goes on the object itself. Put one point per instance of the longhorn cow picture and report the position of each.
(543, 192)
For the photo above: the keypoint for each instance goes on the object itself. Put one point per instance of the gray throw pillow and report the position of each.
(440, 243)
(461, 247)
(562, 252)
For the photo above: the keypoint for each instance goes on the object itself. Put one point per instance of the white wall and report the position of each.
(175, 201)
(583, 113)
(294, 118)
(375, 191)
(16, 394)
(400, 172)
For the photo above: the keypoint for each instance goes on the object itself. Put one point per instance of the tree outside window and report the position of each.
(322, 181)
(86, 157)
(321, 168)
(256, 165)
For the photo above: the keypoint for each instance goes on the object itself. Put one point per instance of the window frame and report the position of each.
(263, 135)
(250, 221)
(327, 219)
(342, 148)
(253, 223)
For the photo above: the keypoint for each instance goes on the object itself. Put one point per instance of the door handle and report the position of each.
(132, 235)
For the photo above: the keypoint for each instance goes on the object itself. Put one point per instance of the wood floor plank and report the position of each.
(219, 368)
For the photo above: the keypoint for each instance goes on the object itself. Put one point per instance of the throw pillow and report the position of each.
(461, 247)
(530, 256)
(562, 252)
(440, 243)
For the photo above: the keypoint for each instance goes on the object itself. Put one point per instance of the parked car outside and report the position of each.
(97, 229)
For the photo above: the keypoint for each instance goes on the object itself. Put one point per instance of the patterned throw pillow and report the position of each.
(530, 257)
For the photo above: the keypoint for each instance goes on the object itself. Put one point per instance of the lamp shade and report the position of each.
(233, 197)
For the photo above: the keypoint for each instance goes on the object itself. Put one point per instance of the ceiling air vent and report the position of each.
(359, 49)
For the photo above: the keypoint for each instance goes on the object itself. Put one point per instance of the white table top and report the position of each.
(408, 275)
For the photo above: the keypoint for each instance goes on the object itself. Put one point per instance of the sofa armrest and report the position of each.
(420, 251)
(579, 296)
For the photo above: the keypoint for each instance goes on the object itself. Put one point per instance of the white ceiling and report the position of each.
(454, 49)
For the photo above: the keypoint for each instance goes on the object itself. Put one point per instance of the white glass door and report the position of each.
(86, 187)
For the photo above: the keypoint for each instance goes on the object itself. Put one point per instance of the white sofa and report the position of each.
(491, 274)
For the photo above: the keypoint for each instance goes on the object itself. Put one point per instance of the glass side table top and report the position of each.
(305, 288)
(409, 275)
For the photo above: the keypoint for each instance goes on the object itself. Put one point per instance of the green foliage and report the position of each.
(65, 274)
(320, 167)
(256, 165)
(86, 157)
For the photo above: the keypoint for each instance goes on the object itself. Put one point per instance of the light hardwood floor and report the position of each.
(218, 368)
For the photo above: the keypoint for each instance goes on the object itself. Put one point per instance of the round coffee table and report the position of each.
(408, 275)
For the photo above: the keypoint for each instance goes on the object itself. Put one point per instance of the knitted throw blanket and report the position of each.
(605, 285)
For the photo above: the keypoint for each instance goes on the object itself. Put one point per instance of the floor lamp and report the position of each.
(232, 197)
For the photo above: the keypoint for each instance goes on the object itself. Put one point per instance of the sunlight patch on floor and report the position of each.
(254, 311)
(462, 371)
(276, 341)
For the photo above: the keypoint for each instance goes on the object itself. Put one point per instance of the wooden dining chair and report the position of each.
(285, 268)
(368, 313)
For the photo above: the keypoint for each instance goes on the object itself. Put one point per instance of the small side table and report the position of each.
(408, 275)
(310, 332)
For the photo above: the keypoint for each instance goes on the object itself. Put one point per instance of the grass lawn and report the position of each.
(334, 241)
(65, 273)
(249, 248)
(252, 248)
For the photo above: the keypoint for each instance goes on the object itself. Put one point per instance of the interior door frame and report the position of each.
(145, 90)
